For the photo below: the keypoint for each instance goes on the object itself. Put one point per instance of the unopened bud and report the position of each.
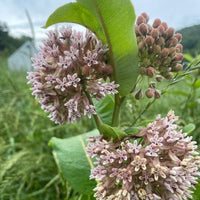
(157, 94)
(173, 42)
(149, 28)
(170, 32)
(146, 17)
(143, 71)
(167, 61)
(151, 72)
(146, 62)
(177, 68)
(164, 24)
(156, 23)
(172, 51)
(149, 40)
(179, 48)
(139, 94)
(161, 29)
(156, 49)
(178, 57)
(150, 92)
(143, 29)
(155, 33)
(178, 36)
(140, 20)
(159, 78)
(161, 41)
(165, 52)
(169, 76)
(152, 84)
(137, 30)
(141, 45)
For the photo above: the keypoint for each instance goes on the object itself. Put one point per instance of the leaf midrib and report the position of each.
(109, 42)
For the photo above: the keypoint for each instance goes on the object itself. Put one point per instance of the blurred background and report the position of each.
(27, 167)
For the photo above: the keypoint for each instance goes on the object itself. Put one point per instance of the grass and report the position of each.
(28, 170)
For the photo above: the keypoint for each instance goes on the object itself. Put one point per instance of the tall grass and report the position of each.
(27, 167)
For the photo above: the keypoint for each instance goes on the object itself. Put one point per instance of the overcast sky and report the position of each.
(177, 13)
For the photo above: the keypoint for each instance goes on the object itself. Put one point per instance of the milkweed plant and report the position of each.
(91, 73)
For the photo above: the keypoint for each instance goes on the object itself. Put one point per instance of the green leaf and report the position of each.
(112, 132)
(104, 109)
(188, 57)
(197, 84)
(73, 161)
(196, 193)
(76, 13)
(117, 19)
(189, 128)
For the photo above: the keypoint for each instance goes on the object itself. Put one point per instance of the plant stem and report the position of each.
(96, 117)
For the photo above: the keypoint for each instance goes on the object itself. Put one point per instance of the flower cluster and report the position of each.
(69, 67)
(161, 164)
(159, 51)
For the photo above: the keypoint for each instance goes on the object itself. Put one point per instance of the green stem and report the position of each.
(96, 117)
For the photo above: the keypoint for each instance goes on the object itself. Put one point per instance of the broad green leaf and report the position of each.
(104, 109)
(188, 57)
(112, 132)
(73, 161)
(189, 128)
(197, 84)
(177, 93)
(117, 19)
(76, 13)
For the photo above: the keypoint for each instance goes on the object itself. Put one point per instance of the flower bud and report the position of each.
(150, 92)
(140, 20)
(178, 57)
(164, 24)
(146, 17)
(149, 28)
(167, 61)
(156, 49)
(156, 23)
(149, 40)
(152, 84)
(159, 78)
(155, 33)
(141, 45)
(178, 36)
(170, 32)
(161, 29)
(169, 76)
(157, 94)
(177, 68)
(137, 30)
(146, 62)
(161, 41)
(172, 51)
(143, 29)
(179, 48)
(143, 71)
(165, 52)
(173, 42)
(139, 94)
(151, 72)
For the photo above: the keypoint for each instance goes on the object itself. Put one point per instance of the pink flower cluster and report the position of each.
(69, 66)
(161, 164)
(159, 51)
